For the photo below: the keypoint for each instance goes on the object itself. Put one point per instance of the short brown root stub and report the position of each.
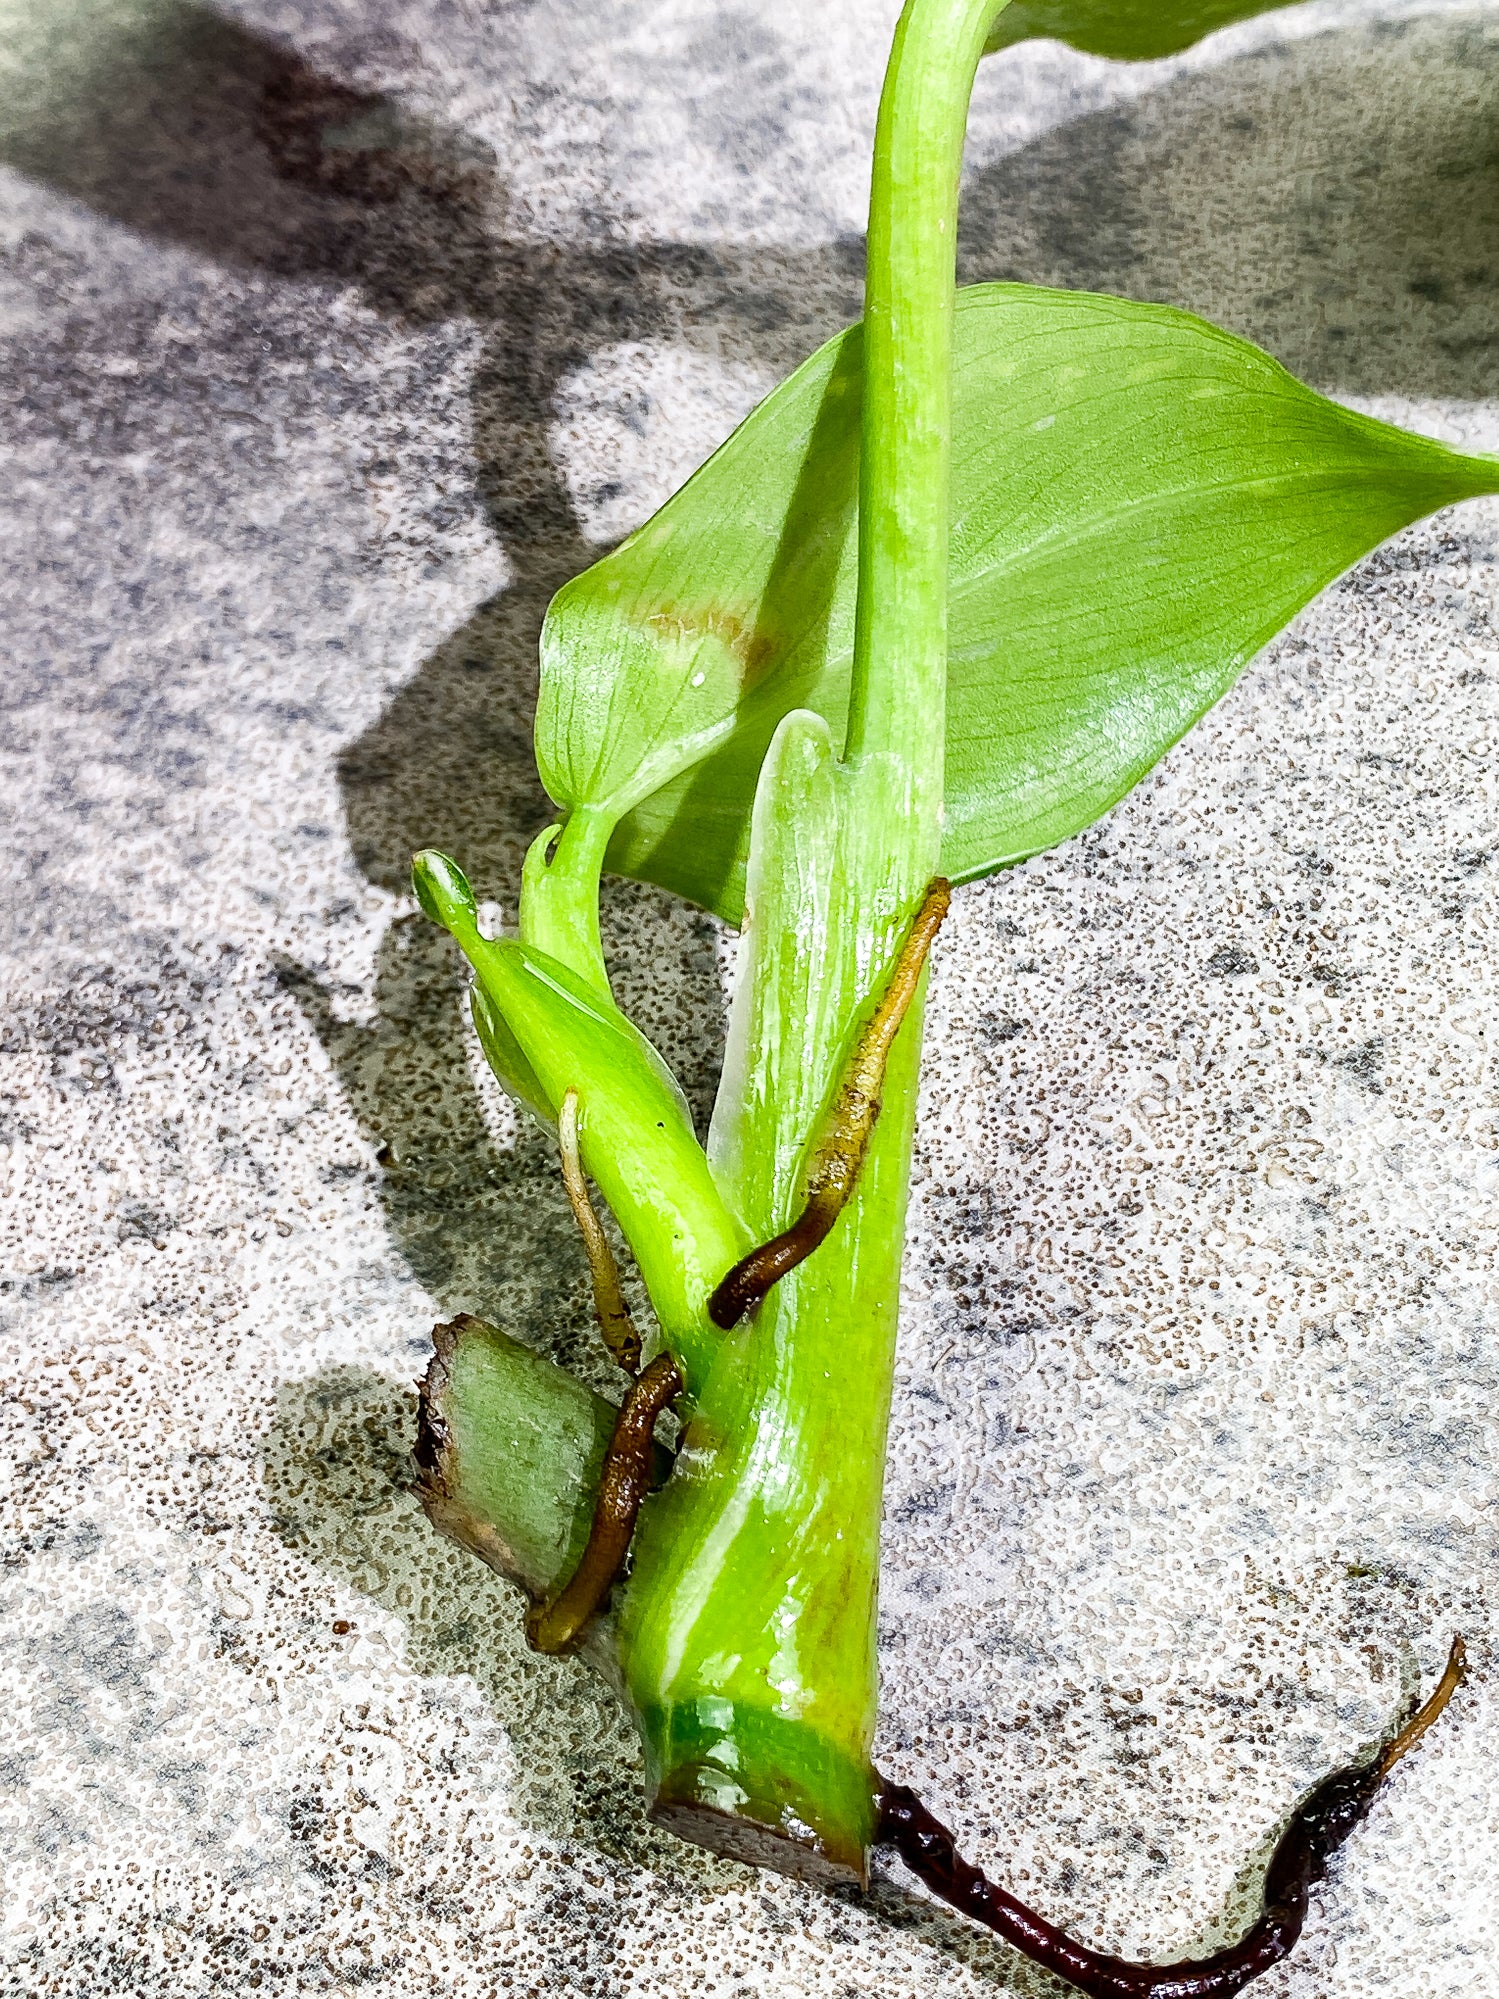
(846, 1129)
(1317, 1829)
(609, 1307)
(554, 1626)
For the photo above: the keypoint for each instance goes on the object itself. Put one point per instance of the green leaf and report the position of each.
(651, 659)
(1140, 502)
(1128, 30)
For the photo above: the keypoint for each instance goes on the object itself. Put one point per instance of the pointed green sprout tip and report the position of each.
(442, 889)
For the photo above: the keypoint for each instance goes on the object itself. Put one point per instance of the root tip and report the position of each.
(1453, 1675)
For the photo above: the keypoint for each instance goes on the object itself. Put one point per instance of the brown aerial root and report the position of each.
(554, 1626)
(833, 1171)
(1452, 1678)
(1318, 1828)
(609, 1306)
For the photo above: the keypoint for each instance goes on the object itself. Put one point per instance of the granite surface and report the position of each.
(1192, 1466)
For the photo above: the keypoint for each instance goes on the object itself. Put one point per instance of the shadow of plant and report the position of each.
(476, 1219)
(1332, 199)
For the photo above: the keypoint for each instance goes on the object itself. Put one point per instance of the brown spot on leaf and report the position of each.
(736, 631)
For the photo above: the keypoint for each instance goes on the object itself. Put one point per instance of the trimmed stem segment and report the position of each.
(509, 1452)
(1317, 1829)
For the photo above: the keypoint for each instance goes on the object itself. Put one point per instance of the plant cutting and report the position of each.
(940, 601)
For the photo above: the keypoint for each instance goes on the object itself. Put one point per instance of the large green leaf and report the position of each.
(1140, 502)
(1130, 30)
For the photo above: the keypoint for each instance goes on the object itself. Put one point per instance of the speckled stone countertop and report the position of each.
(1192, 1467)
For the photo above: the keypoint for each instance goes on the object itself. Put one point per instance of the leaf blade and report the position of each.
(1122, 29)
(1140, 502)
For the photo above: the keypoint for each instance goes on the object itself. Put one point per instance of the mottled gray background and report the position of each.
(1192, 1464)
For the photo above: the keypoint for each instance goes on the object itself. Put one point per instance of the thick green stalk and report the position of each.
(749, 1621)
(898, 696)
(745, 1634)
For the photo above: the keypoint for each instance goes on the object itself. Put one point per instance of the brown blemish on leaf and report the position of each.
(737, 632)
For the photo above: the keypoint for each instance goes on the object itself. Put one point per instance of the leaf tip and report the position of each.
(442, 889)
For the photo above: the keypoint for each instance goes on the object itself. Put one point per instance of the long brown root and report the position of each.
(1317, 1829)
(554, 1626)
(609, 1306)
(846, 1129)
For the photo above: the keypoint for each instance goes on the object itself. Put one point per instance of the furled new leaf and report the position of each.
(1129, 30)
(1140, 501)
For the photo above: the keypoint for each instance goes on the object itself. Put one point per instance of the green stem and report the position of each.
(559, 897)
(749, 1622)
(898, 693)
